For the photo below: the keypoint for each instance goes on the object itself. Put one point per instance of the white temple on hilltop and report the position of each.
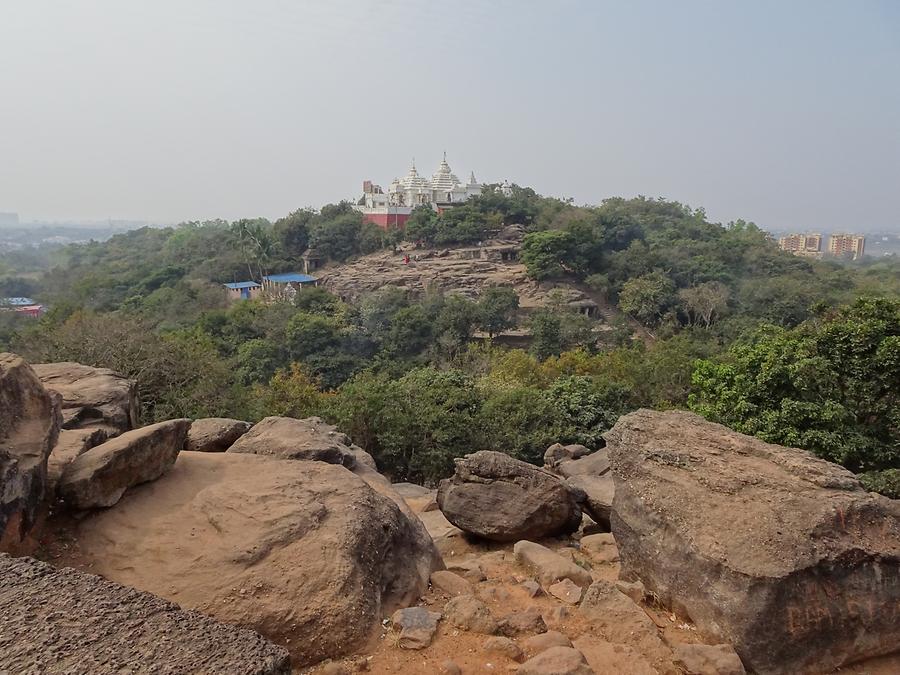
(443, 190)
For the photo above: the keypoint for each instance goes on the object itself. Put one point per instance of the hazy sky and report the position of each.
(785, 113)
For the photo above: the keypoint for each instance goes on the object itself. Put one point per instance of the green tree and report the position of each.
(546, 334)
(648, 297)
(549, 254)
(292, 231)
(497, 309)
(522, 422)
(831, 386)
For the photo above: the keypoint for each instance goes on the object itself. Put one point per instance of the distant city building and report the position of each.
(851, 246)
(807, 245)
(392, 209)
(9, 219)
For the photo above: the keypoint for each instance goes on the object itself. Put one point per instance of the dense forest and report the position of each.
(795, 351)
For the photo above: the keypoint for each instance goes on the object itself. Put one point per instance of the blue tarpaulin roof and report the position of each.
(242, 284)
(288, 277)
(17, 302)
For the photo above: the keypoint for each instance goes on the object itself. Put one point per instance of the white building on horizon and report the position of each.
(443, 190)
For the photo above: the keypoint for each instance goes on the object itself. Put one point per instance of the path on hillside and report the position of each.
(612, 314)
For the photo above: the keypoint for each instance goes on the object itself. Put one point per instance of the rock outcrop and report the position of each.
(215, 434)
(62, 621)
(100, 476)
(289, 438)
(304, 552)
(92, 397)
(495, 496)
(29, 425)
(780, 554)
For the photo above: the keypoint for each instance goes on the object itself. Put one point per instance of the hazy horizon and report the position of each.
(785, 115)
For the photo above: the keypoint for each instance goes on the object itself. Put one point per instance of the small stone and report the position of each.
(556, 661)
(532, 587)
(567, 591)
(450, 583)
(468, 613)
(417, 627)
(505, 647)
(449, 667)
(539, 643)
(517, 623)
(549, 566)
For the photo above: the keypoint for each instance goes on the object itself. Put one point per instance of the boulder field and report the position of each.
(727, 555)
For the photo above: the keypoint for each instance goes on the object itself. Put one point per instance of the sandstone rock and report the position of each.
(417, 626)
(620, 620)
(601, 547)
(533, 588)
(468, 613)
(29, 425)
(633, 589)
(59, 621)
(71, 444)
(497, 497)
(600, 491)
(708, 660)
(555, 617)
(289, 438)
(612, 658)
(549, 567)
(92, 397)
(780, 554)
(567, 591)
(595, 464)
(100, 476)
(528, 621)
(306, 553)
(556, 661)
(557, 453)
(215, 434)
(544, 641)
(450, 583)
(504, 647)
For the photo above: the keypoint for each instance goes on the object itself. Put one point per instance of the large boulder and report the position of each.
(215, 434)
(72, 443)
(594, 464)
(29, 425)
(599, 492)
(782, 555)
(92, 397)
(306, 553)
(289, 438)
(495, 496)
(100, 476)
(60, 621)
